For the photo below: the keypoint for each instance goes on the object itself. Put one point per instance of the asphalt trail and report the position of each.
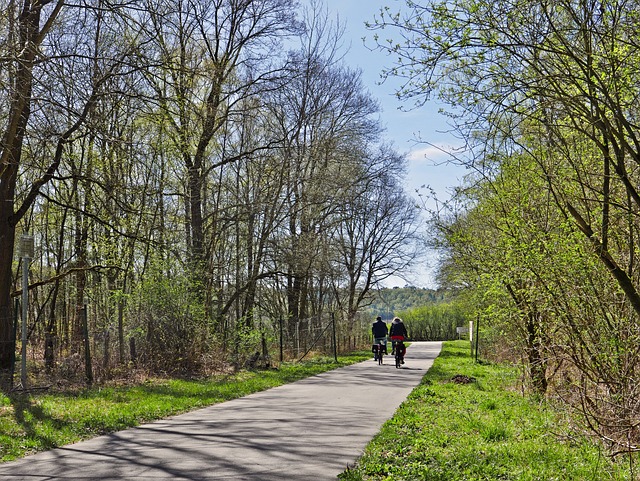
(308, 430)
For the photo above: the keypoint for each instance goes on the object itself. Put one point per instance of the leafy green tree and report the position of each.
(509, 66)
(549, 85)
(436, 322)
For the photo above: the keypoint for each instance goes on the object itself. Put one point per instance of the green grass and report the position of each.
(484, 430)
(43, 421)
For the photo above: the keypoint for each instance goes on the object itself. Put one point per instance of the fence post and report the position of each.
(87, 353)
(477, 336)
(25, 311)
(14, 339)
(281, 342)
(26, 253)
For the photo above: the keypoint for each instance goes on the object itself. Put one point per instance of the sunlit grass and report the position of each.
(42, 421)
(483, 430)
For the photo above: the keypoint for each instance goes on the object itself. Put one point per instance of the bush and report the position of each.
(170, 325)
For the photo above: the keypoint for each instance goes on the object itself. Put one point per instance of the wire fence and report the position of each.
(327, 335)
(95, 355)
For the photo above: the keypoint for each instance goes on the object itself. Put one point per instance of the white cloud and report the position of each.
(436, 153)
(431, 168)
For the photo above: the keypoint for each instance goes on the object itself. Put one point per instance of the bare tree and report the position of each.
(376, 236)
(211, 56)
(324, 114)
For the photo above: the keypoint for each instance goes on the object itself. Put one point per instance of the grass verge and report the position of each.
(43, 421)
(478, 428)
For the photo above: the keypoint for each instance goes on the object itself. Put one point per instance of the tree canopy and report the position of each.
(196, 175)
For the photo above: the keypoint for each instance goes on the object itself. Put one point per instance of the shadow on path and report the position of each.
(309, 429)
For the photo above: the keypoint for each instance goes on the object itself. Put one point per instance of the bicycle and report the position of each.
(379, 349)
(399, 349)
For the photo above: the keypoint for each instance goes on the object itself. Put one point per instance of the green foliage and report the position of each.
(480, 430)
(545, 231)
(43, 421)
(389, 302)
(169, 319)
(436, 322)
(428, 314)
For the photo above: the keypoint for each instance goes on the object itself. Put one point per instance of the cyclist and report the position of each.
(398, 333)
(379, 330)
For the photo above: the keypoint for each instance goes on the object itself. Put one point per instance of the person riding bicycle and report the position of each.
(379, 330)
(398, 333)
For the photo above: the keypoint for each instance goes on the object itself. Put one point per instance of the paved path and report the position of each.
(308, 430)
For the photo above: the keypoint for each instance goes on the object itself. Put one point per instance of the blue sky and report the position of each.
(403, 127)
(426, 163)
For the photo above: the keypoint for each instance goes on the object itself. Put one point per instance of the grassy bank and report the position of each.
(467, 422)
(42, 421)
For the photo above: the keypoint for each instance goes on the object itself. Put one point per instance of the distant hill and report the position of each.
(388, 302)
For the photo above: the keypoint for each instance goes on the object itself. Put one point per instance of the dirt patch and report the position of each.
(462, 379)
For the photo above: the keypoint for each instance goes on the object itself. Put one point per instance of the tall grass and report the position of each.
(481, 430)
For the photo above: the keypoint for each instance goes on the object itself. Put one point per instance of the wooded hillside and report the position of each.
(389, 302)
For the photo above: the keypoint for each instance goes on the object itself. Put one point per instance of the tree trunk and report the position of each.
(7, 343)
(10, 157)
(51, 331)
(534, 341)
(195, 215)
(121, 330)
(77, 333)
(537, 363)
